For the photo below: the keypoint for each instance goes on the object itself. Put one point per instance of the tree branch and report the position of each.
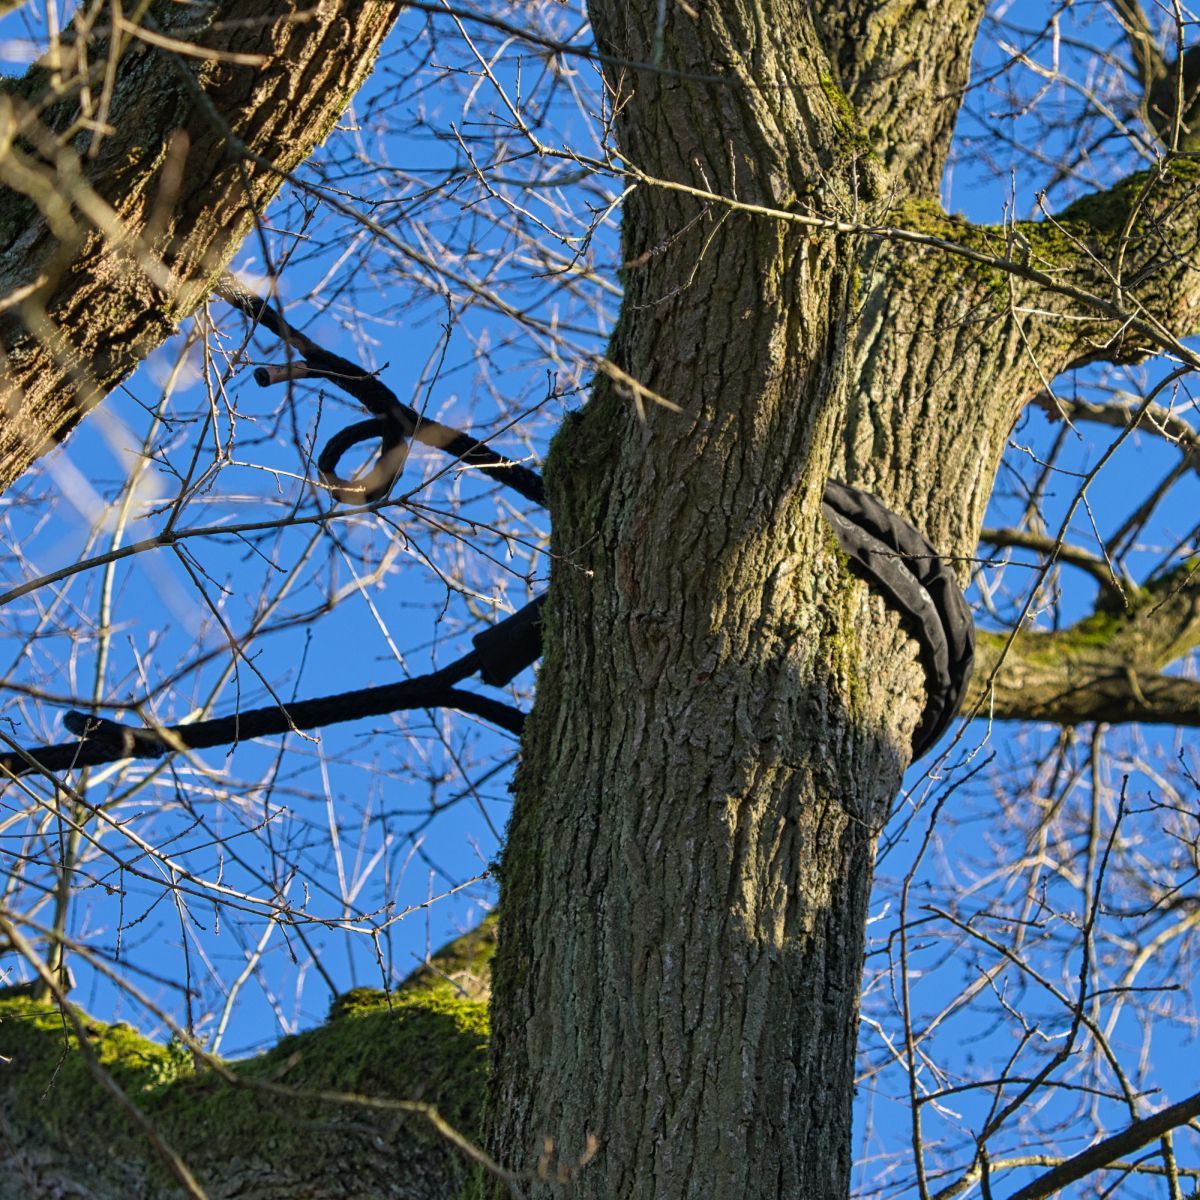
(1123, 411)
(1105, 1152)
(1095, 566)
(1107, 667)
(420, 1053)
(1150, 64)
(1135, 244)
(1080, 698)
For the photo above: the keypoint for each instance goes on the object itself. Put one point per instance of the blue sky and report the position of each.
(376, 819)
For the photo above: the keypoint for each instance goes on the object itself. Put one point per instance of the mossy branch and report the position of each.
(395, 1085)
(1107, 667)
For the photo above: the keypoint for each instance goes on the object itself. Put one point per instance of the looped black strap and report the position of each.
(375, 485)
(900, 562)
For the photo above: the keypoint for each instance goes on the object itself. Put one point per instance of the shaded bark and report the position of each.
(107, 242)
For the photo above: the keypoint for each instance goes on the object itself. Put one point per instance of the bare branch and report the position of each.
(1108, 1151)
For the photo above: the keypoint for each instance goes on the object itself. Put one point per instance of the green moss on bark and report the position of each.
(426, 1043)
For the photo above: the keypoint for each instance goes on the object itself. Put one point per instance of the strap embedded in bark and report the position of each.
(889, 553)
(900, 562)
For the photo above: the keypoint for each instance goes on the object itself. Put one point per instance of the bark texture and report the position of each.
(905, 86)
(723, 714)
(107, 241)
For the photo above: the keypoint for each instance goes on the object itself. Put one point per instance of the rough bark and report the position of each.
(684, 889)
(905, 78)
(107, 242)
(690, 854)
(61, 1135)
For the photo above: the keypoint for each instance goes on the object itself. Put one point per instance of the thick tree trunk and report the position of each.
(685, 885)
(689, 863)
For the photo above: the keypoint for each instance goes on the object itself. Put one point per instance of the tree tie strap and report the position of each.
(900, 563)
(893, 557)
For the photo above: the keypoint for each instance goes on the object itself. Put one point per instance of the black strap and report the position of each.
(508, 647)
(899, 561)
(888, 552)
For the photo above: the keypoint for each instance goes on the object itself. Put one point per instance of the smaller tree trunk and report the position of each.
(108, 239)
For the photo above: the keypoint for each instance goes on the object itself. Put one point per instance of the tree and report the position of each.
(724, 712)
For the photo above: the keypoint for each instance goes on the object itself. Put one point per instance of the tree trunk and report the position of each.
(107, 241)
(724, 713)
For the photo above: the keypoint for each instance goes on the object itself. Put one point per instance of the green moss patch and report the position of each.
(424, 1043)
